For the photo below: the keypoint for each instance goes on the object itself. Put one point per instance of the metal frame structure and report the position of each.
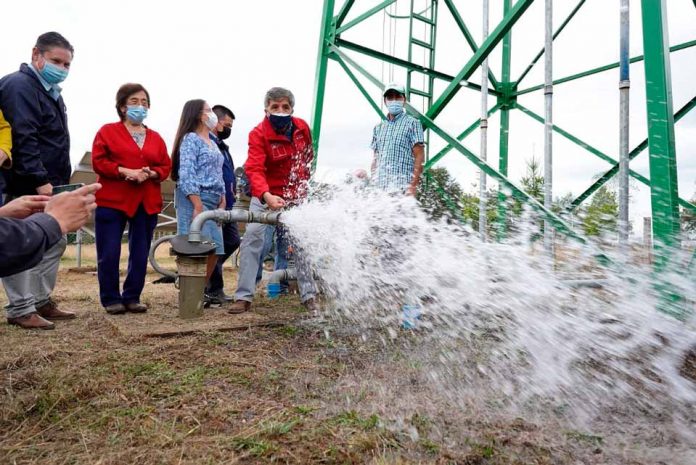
(661, 118)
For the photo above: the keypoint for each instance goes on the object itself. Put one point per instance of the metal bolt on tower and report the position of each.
(425, 53)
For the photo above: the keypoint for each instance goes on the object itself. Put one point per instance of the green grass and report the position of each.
(254, 447)
(278, 428)
(352, 419)
(429, 446)
(303, 409)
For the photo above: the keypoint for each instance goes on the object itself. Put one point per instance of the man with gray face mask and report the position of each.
(398, 147)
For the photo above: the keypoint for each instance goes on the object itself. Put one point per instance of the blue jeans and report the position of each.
(184, 216)
(109, 225)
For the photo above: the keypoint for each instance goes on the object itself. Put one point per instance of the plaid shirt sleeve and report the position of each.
(416, 133)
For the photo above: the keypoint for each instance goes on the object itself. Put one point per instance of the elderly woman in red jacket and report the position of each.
(131, 161)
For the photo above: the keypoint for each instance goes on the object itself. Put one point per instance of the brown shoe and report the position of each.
(50, 311)
(136, 307)
(240, 306)
(115, 309)
(31, 321)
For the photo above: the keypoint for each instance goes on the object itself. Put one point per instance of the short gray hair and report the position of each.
(278, 93)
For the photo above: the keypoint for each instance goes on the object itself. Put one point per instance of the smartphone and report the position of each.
(67, 187)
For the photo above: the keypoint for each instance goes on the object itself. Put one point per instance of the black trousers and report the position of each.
(230, 239)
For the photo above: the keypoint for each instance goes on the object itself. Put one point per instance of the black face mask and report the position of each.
(279, 122)
(225, 133)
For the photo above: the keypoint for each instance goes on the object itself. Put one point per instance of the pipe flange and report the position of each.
(182, 246)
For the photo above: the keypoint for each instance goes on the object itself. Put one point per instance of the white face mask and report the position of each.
(212, 120)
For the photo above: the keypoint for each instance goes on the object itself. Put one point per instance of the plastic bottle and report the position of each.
(273, 290)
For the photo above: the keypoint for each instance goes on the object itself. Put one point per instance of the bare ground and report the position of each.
(88, 393)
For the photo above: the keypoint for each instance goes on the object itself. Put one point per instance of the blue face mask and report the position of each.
(395, 107)
(279, 120)
(53, 74)
(136, 113)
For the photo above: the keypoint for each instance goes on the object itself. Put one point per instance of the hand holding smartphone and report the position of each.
(67, 188)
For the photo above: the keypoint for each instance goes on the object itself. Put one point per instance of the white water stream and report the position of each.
(499, 328)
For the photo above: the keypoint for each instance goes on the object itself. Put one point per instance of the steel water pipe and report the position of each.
(230, 216)
(273, 288)
(192, 251)
(289, 274)
(192, 255)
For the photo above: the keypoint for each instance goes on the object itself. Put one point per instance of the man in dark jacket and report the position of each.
(214, 293)
(31, 102)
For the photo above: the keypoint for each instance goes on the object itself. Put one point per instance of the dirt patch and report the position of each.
(162, 321)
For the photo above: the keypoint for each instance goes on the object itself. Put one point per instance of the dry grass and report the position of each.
(85, 393)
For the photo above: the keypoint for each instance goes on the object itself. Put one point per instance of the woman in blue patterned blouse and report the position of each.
(197, 170)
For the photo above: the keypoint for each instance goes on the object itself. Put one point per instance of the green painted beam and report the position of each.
(558, 31)
(504, 139)
(579, 142)
(364, 16)
(517, 192)
(325, 37)
(349, 61)
(472, 127)
(633, 154)
(405, 64)
(359, 85)
(341, 16)
(664, 193)
(481, 54)
(661, 140)
(601, 69)
(601, 155)
(503, 161)
(429, 123)
(467, 36)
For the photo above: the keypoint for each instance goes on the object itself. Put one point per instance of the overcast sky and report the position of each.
(231, 52)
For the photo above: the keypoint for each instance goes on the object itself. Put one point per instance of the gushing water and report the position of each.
(500, 330)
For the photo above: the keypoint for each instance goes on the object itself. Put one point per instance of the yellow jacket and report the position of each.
(5, 140)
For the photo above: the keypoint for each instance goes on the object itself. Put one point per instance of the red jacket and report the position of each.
(278, 165)
(113, 147)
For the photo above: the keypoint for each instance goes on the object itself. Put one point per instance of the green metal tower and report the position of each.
(505, 91)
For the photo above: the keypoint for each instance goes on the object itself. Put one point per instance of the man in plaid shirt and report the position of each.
(397, 165)
(398, 147)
